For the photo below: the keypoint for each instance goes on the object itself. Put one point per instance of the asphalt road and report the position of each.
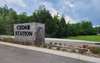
(10, 54)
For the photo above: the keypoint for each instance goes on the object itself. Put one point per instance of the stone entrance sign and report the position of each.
(33, 33)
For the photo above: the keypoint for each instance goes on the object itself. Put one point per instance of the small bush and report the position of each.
(63, 49)
(58, 48)
(55, 43)
(50, 47)
(50, 43)
(45, 45)
(60, 44)
(82, 51)
(8, 39)
(95, 50)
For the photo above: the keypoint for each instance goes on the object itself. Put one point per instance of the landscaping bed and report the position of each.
(80, 49)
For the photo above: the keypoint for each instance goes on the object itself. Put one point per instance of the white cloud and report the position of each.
(20, 3)
(2, 3)
(54, 11)
(50, 7)
(68, 3)
(69, 20)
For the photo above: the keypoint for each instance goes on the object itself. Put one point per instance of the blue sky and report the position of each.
(73, 10)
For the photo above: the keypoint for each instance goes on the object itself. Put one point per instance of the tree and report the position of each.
(62, 27)
(22, 18)
(54, 26)
(86, 28)
(56, 31)
(43, 16)
(7, 20)
(97, 29)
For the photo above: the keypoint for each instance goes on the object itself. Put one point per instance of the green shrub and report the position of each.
(95, 50)
(45, 45)
(50, 43)
(50, 47)
(8, 40)
(58, 48)
(55, 43)
(82, 51)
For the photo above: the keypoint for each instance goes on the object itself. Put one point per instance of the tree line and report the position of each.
(54, 26)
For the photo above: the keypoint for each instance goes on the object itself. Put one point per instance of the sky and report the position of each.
(73, 10)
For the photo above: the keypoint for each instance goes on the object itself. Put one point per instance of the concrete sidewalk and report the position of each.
(60, 53)
(70, 40)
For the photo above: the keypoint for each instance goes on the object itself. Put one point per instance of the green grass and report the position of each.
(88, 38)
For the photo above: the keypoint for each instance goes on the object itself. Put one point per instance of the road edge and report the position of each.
(59, 53)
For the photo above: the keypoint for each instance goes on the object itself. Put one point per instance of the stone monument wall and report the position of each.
(33, 33)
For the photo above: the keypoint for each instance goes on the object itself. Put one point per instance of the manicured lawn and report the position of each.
(88, 38)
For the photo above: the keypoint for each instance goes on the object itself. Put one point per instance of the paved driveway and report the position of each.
(10, 54)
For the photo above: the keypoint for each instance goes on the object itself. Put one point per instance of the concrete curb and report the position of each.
(57, 39)
(60, 53)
